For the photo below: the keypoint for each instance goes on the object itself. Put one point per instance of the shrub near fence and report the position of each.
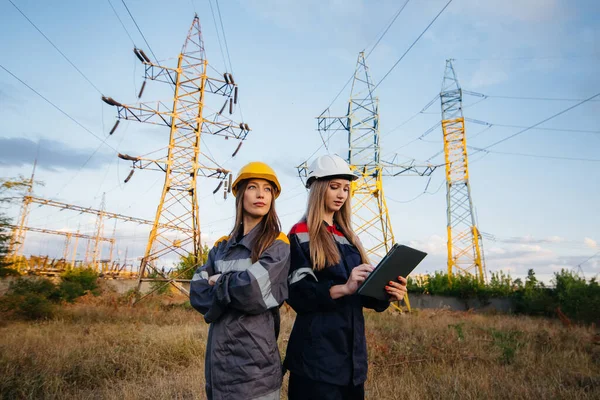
(37, 298)
(572, 296)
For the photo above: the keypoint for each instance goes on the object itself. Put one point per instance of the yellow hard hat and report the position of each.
(257, 170)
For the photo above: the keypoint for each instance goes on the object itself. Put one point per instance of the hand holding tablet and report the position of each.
(400, 261)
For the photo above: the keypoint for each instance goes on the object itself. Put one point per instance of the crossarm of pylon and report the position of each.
(169, 75)
(160, 73)
(411, 169)
(226, 129)
(332, 123)
(218, 86)
(160, 114)
(206, 170)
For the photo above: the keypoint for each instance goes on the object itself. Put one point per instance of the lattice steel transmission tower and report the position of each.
(99, 229)
(188, 119)
(17, 240)
(370, 214)
(465, 252)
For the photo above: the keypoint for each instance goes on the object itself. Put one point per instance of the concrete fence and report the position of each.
(424, 301)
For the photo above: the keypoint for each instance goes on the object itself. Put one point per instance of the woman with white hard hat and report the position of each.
(327, 352)
(239, 291)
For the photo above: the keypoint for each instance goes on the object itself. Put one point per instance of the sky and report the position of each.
(535, 195)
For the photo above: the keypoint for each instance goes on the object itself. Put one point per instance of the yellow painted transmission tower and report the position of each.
(188, 118)
(465, 252)
(370, 214)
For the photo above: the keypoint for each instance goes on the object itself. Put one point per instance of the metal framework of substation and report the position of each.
(187, 119)
(465, 251)
(93, 250)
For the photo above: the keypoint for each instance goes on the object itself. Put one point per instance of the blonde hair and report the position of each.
(323, 250)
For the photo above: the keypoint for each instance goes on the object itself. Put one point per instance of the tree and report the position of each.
(5, 235)
(187, 264)
(10, 191)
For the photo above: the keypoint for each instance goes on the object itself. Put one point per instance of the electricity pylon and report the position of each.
(465, 255)
(370, 214)
(99, 229)
(188, 119)
(17, 240)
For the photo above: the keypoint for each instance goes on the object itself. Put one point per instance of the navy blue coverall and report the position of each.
(327, 344)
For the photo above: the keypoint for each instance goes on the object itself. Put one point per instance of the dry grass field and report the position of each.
(99, 348)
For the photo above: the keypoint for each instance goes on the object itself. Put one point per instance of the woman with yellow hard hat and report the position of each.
(239, 291)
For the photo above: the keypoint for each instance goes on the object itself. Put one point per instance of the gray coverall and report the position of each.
(242, 358)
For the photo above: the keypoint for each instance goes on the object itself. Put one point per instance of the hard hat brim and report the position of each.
(267, 177)
(312, 179)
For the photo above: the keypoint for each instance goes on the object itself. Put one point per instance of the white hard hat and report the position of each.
(330, 167)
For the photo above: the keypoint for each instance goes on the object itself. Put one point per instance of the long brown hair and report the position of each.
(323, 250)
(269, 227)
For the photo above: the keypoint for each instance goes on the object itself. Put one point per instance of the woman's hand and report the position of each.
(396, 290)
(213, 279)
(357, 276)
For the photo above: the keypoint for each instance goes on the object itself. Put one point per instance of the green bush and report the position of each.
(39, 286)
(159, 287)
(501, 285)
(462, 286)
(77, 282)
(34, 306)
(86, 277)
(576, 298)
(31, 298)
(7, 271)
(534, 298)
(36, 298)
(188, 264)
(69, 291)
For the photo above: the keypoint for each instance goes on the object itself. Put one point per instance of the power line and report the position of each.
(387, 197)
(412, 117)
(530, 58)
(55, 47)
(102, 141)
(218, 34)
(413, 44)
(420, 137)
(58, 108)
(388, 27)
(478, 149)
(122, 24)
(543, 121)
(224, 37)
(490, 124)
(227, 49)
(140, 31)
(489, 96)
(532, 98)
(588, 259)
(370, 51)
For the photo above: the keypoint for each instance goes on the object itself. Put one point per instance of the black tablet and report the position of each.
(399, 261)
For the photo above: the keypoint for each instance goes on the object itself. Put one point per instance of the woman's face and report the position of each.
(337, 194)
(258, 197)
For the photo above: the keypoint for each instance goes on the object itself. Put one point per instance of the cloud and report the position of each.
(515, 10)
(52, 154)
(434, 245)
(532, 240)
(591, 243)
